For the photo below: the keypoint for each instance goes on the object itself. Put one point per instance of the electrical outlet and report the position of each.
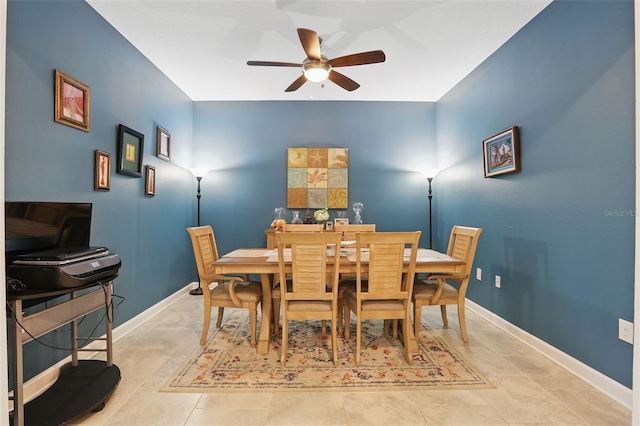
(479, 274)
(498, 281)
(625, 330)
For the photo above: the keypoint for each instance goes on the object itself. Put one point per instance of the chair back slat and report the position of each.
(462, 245)
(204, 249)
(349, 232)
(309, 264)
(302, 227)
(386, 263)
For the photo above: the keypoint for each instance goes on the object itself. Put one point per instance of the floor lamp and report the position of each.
(430, 174)
(199, 174)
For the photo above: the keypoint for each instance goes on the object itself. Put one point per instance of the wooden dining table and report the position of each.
(264, 262)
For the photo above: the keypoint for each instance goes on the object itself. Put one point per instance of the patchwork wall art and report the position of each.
(318, 178)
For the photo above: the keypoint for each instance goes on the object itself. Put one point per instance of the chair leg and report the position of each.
(285, 341)
(340, 315)
(324, 328)
(220, 314)
(417, 315)
(205, 325)
(358, 339)
(347, 321)
(463, 325)
(443, 312)
(394, 328)
(253, 320)
(276, 316)
(334, 339)
(406, 326)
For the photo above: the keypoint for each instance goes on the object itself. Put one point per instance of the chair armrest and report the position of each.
(445, 276)
(232, 289)
(232, 285)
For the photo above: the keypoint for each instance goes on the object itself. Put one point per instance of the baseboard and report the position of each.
(40, 383)
(604, 384)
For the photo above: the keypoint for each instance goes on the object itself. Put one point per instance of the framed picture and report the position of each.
(328, 226)
(150, 181)
(163, 144)
(102, 175)
(130, 149)
(72, 103)
(502, 153)
(341, 221)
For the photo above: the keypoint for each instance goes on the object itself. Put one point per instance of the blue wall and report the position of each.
(48, 161)
(246, 145)
(551, 231)
(560, 232)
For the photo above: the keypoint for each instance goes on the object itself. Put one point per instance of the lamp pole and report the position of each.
(430, 215)
(198, 173)
(430, 174)
(198, 196)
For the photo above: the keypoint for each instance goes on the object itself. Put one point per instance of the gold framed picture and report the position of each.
(73, 102)
(150, 181)
(102, 175)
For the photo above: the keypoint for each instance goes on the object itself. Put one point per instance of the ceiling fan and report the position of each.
(318, 68)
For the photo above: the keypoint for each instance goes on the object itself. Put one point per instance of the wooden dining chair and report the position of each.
(310, 296)
(302, 227)
(230, 291)
(388, 293)
(435, 289)
(348, 233)
(275, 292)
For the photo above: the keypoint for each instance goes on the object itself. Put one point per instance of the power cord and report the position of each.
(108, 304)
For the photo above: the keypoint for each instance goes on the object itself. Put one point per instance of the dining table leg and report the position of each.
(265, 323)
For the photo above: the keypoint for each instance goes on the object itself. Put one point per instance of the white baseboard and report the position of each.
(40, 383)
(604, 384)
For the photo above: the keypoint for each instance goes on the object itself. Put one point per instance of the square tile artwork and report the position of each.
(317, 178)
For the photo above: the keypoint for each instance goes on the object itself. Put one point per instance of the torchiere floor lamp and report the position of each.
(430, 174)
(199, 174)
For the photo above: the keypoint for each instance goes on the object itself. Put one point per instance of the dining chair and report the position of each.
(312, 295)
(230, 291)
(389, 285)
(275, 292)
(435, 290)
(348, 233)
(302, 227)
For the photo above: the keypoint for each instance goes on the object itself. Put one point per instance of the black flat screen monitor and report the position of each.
(38, 226)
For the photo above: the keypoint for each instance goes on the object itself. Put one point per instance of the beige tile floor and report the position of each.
(530, 389)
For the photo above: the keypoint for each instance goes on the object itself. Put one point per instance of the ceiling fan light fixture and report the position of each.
(316, 71)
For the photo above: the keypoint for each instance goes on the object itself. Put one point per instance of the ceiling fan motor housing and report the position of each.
(316, 71)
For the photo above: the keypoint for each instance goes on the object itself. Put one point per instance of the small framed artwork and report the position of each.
(163, 144)
(150, 181)
(102, 175)
(341, 221)
(328, 226)
(502, 153)
(130, 149)
(72, 103)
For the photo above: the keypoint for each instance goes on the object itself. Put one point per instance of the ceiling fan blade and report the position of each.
(310, 43)
(372, 57)
(296, 84)
(343, 81)
(273, 64)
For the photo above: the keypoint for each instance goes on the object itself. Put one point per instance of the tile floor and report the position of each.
(530, 389)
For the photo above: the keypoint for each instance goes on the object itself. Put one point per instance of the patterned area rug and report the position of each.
(228, 362)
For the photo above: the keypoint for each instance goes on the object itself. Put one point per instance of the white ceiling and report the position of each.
(203, 46)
